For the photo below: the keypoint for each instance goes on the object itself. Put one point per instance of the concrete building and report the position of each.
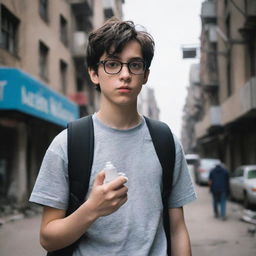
(147, 104)
(43, 81)
(192, 109)
(227, 129)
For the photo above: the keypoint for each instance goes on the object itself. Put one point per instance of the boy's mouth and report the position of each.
(124, 89)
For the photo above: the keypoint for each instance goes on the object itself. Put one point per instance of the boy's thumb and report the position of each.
(99, 180)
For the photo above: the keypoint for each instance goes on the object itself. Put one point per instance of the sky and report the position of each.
(173, 24)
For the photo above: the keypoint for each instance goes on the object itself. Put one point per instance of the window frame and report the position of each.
(9, 30)
(63, 67)
(44, 61)
(43, 9)
(63, 30)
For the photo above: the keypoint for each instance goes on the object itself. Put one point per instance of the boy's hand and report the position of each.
(105, 199)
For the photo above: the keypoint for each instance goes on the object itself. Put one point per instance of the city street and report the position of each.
(214, 237)
(209, 236)
(97, 68)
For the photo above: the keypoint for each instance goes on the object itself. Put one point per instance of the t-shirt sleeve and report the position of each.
(183, 191)
(51, 187)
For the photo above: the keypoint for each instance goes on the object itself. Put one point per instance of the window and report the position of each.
(239, 172)
(252, 174)
(43, 60)
(9, 27)
(79, 84)
(252, 53)
(63, 76)
(108, 13)
(63, 30)
(229, 77)
(43, 9)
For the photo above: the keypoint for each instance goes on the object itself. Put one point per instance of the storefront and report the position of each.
(31, 114)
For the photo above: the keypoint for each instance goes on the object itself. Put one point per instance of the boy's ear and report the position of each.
(93, 75)
(146, 74)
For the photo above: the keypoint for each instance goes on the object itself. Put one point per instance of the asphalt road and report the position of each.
(209, 236)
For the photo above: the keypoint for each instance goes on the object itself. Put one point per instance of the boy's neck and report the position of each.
(117, 118)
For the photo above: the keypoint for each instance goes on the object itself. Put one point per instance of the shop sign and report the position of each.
(19, 91)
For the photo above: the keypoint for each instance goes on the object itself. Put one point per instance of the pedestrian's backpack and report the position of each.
(80, 158)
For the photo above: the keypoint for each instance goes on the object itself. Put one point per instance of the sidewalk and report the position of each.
(21, 238)
(10, 214)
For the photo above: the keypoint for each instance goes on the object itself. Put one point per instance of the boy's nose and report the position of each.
(125, 72)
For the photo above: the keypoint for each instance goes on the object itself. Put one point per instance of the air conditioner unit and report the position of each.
(189, 52)
(208, 11)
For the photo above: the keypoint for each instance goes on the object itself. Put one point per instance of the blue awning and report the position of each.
(20, 91)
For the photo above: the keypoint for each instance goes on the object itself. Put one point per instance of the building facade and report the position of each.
(44, 82)
(147, 104)
(192, 110)
(227, 127)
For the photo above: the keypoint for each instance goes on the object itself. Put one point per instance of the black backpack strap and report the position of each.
(80, 159)
(164, 144)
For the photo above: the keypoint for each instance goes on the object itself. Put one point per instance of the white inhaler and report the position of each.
(111, 172)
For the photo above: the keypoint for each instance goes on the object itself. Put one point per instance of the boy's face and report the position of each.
(121, 88)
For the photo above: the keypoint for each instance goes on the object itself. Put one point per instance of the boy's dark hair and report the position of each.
(112, 38)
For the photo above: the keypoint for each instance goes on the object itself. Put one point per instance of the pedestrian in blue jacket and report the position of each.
(219, 186)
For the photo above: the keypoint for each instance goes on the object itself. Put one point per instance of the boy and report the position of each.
(121, 217)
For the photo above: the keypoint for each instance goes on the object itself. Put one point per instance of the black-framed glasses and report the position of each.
(112, 67)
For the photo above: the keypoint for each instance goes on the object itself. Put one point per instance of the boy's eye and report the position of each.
(136, 65)
(112, 64)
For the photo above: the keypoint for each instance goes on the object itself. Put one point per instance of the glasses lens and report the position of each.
(137, 67)
(112, 66)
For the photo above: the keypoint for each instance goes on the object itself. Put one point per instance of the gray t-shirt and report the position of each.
(137, 227)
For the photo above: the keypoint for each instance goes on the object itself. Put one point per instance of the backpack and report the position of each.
(80, 159)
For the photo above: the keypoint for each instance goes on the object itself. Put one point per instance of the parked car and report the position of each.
(203, 170)
(192, 162)
(243, 185)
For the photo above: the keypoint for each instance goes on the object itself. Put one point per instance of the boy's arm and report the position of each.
(180, 242)
(58, 231)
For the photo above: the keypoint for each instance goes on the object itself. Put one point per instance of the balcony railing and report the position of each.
(240, 103)
(80, 42)
(211, 119)
(209, 74)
